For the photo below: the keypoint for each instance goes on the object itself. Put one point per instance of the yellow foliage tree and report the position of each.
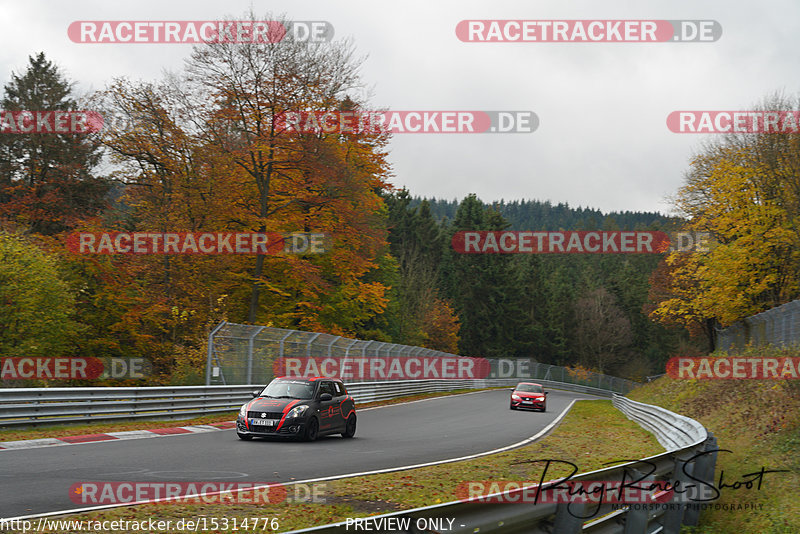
(737, 191)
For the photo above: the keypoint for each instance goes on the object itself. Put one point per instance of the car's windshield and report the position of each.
(529, 388)
(291, 389)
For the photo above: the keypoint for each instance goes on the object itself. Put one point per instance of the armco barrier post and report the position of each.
(569, 518)
(704, 467)
(673, 518)
(636, 519)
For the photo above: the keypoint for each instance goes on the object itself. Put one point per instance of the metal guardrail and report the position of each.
(673, 431)
(47, 406)
(685, 438)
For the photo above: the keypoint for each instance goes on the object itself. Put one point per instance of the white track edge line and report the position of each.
(526, 441)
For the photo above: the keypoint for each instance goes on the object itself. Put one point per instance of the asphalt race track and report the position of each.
(37, 480)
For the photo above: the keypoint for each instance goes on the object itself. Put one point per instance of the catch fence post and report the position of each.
(211, 351)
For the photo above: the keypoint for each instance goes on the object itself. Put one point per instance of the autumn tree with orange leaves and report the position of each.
(204, 151)
(296, 180)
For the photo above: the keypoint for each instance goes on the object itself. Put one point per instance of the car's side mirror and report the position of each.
(326, 397)
(256, 393)
(545, 393)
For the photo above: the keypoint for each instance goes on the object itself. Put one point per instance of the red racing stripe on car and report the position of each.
(351, 411)
(289, 406)
(285, 411)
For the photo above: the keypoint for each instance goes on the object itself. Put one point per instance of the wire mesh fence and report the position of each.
(778, 326)
(251, 354)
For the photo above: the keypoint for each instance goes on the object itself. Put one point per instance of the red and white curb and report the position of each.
(111, 436)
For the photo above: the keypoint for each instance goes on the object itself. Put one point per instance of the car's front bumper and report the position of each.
(292, 427)
(532, 405)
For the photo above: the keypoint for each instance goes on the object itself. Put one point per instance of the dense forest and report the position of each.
(199, 152)
(543, 215)
(565, 309)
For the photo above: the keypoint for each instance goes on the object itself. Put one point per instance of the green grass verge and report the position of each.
(589, 436)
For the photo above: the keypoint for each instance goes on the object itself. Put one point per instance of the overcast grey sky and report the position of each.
(602, 140)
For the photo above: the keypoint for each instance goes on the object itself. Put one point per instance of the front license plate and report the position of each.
(264, 422)
(527, 402)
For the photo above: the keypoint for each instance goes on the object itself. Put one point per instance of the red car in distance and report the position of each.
(529, 395)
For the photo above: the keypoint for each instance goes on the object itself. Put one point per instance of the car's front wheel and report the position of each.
(511, 407)
(312, 429)
(244, 437)
(350, 427)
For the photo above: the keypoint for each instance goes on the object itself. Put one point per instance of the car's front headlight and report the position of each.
(515, 397)
(297, 411)
(243, 411)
